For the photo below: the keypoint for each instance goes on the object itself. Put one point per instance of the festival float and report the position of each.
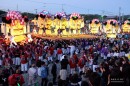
(64, 24)
(48, 24)
(76, 23)
(126, 27)
(42, 23)
(95, 26)
(111, 28)
(16, 24)
(60, 23)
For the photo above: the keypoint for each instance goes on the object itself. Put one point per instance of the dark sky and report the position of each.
(107, 7)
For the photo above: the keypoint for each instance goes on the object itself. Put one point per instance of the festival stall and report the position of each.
(76, 23)
(16, 24)
(95, 26)
(126, 27)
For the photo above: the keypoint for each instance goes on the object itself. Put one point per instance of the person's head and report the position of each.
(97, 69)
(56, 61)
(33, 65)
(18, 71)
(65, 57)
(50, 84)
(42, 63)
(6, 56)
(9, 34)
(84, 83)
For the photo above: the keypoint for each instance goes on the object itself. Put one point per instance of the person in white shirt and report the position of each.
(39, 76)
(72, 49)
(12, 41)
(63, 77)
(32, 75)
(121, 53)
(108, 55)
(77, 51)
(50, 58)
(29, 38)
(63, 74)
(17, 59)
(116, 54)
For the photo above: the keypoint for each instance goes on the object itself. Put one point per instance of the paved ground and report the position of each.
(66, 37)
(50, 77)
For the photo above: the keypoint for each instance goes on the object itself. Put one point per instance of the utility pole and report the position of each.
(119, 14)
(103, 15)
(120, 17)
(36, 11)
(88, 11)
(17, 7)
(62, 7)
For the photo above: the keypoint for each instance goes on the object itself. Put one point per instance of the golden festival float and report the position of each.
(60, 24)
(76, 22)
(95, 26)
(42, 23)
(126, 27)
(15, 24)
(111, 28)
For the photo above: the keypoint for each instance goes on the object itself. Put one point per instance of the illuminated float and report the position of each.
(95, 26)
(76, 23)
(16, 24)
(111, 28)
(126, 27)
(42, 23)
(60, 23)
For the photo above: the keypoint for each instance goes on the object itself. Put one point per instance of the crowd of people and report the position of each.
(74, 62)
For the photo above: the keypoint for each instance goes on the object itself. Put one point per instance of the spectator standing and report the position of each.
(32, 72)
(24, 64)
(54, 71)
(44, 74)
(16, 79)
(72, 64)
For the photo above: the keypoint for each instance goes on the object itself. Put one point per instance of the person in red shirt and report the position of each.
(91, 49)
(72, 64)
(16, 79)
(59, 53)
(51, 50)
(7, 61)
(75, 58)
(24, 64)
(81, 63)
(37, 56)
